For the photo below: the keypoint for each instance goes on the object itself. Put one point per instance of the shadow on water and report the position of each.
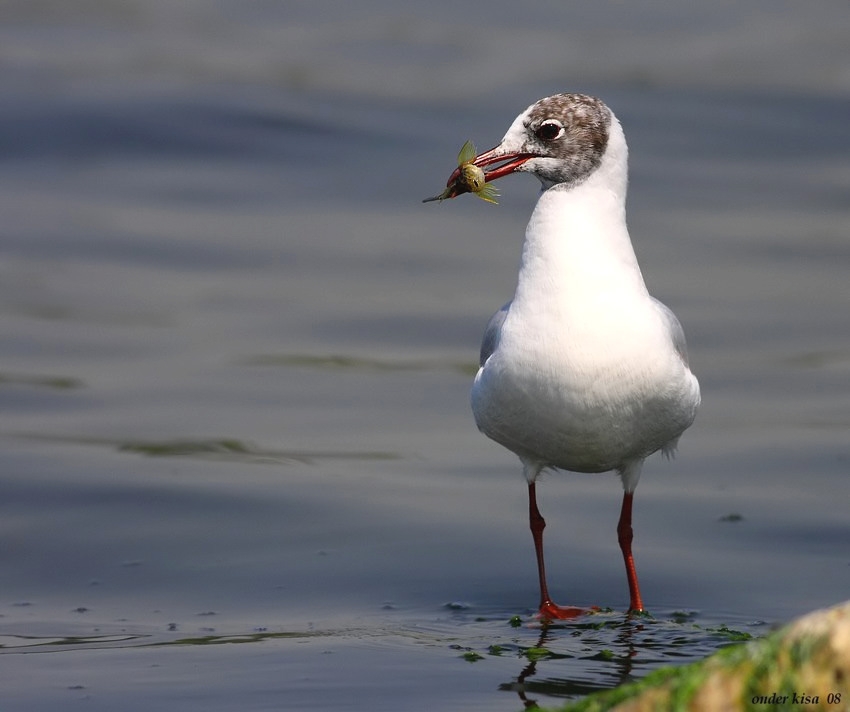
(226, 449)
(348, 362)
(58, 383)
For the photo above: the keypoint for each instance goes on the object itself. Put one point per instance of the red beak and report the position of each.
(508, 163)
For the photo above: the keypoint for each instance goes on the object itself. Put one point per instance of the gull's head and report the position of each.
(562, 139)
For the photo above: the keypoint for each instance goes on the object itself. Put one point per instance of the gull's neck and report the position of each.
(577, 245)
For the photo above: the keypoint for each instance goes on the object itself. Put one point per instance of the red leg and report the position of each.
(624, 535)
(548, 609)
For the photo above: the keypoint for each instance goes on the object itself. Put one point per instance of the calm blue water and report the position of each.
(239, 469)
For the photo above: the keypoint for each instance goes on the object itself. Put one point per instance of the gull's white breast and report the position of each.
(585, 396)
(586, 374)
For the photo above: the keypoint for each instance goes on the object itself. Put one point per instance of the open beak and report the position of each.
(503, 164)
(500, 164)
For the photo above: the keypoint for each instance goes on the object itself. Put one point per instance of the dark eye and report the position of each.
(549, 131)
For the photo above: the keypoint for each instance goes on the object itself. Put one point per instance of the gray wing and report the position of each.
(677, 333)
(492, 333)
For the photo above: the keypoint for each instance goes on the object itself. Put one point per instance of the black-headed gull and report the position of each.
(582, 370)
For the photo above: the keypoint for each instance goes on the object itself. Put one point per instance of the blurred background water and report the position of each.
(236, 348)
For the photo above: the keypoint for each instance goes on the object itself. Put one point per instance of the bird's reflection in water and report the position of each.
(618, 665)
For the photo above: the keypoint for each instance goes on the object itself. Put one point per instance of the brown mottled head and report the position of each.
(573, 129)
(561, 139)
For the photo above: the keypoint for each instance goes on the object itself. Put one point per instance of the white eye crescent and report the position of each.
(549, 130)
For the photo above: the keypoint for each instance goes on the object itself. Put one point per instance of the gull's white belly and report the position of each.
(560, 413)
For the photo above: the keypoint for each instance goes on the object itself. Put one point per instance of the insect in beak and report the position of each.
(470, 176)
